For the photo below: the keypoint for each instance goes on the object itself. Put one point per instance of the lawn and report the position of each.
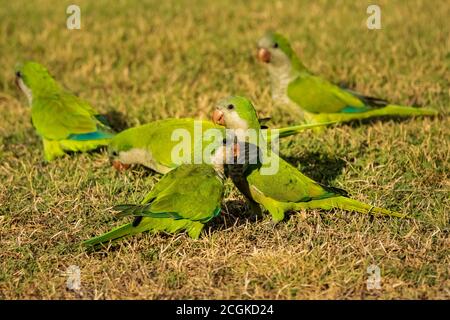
(140, 62)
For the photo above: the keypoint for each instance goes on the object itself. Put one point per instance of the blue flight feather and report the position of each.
(97, 135)
(350, 109)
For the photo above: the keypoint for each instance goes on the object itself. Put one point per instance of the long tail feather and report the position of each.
(358, 206)
(348, 204)
(115, 234)
(289, 131)
(193, 228)
(389, 110)
(396, 110)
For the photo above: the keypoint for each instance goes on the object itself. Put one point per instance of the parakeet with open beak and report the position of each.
(286, 188)
(63, 121)
(318, 99)
(152, 144)
(185, 199)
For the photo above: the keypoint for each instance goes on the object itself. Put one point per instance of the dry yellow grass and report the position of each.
(155, 60)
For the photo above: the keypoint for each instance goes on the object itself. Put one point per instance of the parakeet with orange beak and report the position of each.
(286, 188)
(318, 99)
(63, 121)
(151, 145)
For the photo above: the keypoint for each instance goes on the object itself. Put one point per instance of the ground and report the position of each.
(142, 62)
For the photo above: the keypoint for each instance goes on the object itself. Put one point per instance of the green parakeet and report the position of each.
(64, 121)
(184, 199)
(152, 144)
(318, 99)
(285, 188)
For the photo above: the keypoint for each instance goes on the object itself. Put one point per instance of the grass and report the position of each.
(152, 60)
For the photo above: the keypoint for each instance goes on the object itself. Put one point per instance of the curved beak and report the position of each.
(16, 81)
(218, 117)
(264, 55)
(119, 166)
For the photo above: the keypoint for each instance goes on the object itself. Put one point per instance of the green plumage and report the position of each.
(64, 121)
(289, 189)
(152, 144)
(184, 199)
(319, 99)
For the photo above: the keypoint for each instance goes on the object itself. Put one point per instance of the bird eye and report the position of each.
(18, 74)
(275, 45)
(230, 107)
(115, 153)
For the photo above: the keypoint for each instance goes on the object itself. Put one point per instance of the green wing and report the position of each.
(168, 181)
(59, 116)
(192, 192)
(184, 199)
(317, 95)
(291, 185)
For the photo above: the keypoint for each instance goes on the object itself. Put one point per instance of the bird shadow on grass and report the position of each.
(318, 166)
(117, 120)
(234, 213)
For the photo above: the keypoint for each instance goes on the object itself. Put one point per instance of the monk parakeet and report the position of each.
(286, 188)
(153, 144)
(64, 121)
(183, 200)
(318, 99)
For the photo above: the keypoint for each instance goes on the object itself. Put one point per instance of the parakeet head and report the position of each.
(236, 113)
(128, 148)
(275, 51)
(33, 79)
(121, 154)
